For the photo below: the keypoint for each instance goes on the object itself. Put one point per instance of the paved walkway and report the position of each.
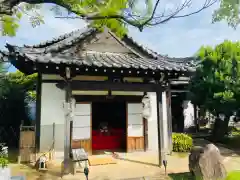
(133, 166)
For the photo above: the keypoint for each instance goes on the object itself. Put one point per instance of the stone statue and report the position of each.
(188, 113)
(206, 163)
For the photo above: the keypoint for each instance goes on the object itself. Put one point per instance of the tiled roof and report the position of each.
(3, 56)
(50, 52)
(75, 36)
(108, 60)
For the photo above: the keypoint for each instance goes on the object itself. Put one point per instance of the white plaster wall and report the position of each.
(152, 124)
(166, 122)
(52, 111)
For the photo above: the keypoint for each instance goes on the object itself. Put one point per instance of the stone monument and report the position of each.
(206, 163)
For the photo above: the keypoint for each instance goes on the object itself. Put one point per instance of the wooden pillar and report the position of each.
(38, 112)
(169, 98)
(68, 118)
(67, 142)
(160, 127)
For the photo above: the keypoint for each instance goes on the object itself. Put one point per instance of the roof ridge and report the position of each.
(143, 48)
(59, 38)
(128, 41)
(84, 31)
(156, 53)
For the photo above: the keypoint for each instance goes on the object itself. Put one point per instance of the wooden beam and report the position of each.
(169, 113)
(84, 85)
(38, 111)
(92, 98)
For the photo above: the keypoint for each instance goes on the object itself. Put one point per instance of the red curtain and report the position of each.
(113, 140)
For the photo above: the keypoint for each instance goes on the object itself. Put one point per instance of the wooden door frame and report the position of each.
(145, 128)
(126, 126)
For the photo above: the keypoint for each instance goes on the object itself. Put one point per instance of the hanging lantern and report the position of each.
(146, 113)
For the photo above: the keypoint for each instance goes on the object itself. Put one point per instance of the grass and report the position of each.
(234, 175)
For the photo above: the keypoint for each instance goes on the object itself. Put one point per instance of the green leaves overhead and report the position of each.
(10, 25)
(229, 11)
(216, 85)
(94, 8)
(115, 14)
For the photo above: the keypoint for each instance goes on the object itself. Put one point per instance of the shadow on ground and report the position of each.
(181, 176)
(140, 162)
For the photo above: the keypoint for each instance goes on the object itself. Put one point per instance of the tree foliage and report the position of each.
(16, 92)
(228, 11)
(216, 84)
(111, 13)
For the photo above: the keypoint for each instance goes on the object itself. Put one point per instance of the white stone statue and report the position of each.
(188, 113)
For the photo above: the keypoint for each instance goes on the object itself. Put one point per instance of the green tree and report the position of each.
(115, 14)
(26, 82)
(228, 11)
(216, 84)
(15, 95)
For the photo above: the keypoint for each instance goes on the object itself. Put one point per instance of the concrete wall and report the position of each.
(52, 111)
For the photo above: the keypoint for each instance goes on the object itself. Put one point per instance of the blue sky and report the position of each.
(178, 38)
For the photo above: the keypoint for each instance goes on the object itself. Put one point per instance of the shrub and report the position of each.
(3, 162)
(181, 142)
